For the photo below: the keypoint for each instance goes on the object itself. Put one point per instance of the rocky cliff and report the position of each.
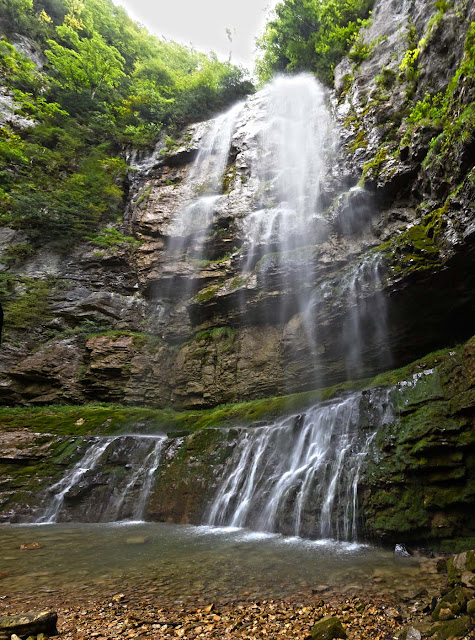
(417, 485)
(132, 318)
(120, 321)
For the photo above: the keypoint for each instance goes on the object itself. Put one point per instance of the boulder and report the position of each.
(327, 628)
(461, 569)
(28, 624)
(453, 629)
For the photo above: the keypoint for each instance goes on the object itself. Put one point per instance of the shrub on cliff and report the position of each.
(310, 35)
(105, 83)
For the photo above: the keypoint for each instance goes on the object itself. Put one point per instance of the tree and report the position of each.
(90, 63)
(309, 35)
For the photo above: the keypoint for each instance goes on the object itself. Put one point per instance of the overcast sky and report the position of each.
(203, 23)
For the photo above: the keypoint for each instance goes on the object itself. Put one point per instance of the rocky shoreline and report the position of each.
(140, 611)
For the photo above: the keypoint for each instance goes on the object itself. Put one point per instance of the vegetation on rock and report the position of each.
(100, 83)
(311, 35)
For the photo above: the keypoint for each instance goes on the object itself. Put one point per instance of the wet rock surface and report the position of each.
(29, 624)
(376, 194)
(414, 488)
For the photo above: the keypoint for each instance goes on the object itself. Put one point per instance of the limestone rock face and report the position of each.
(142, 322)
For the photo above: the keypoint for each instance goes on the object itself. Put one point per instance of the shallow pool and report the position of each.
(183, 563)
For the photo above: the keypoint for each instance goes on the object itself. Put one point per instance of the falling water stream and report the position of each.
(297, 475)
(143, 459)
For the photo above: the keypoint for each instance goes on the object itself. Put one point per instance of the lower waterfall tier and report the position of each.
(393, 462)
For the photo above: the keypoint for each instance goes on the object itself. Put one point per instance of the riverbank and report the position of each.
(139, 613)
(119, 580)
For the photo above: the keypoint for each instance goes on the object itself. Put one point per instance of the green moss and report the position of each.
(457, 628)
(373, 168)
(144, 196)
(229, 178)
(386, 79)
(139, 339)
(415, 248)
(225, 336)
(346, 84)
(409, 514)
(360, 141)
(29, 308)
(206, 294)
(327, 628)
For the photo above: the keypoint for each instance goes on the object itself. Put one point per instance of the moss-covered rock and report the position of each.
(461, 569)
(421, 485)
(452, 604)
(451, 630)
(327, 628)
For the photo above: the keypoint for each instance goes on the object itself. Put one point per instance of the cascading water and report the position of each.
(366, 322)
(299, 476)
(125, 499)
(199, 204)
(72, 478)
(287, 163)
(203, 186)
(287, 156)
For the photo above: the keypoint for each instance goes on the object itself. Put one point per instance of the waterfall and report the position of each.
(89, 485)
(203, 185)
(299, 475)
(366, 322)
(72, 478)
(288, 158)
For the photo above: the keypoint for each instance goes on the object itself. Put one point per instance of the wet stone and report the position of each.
(327, 628)
(29, 623)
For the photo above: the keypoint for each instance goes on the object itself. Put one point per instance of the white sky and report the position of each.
(203, 23)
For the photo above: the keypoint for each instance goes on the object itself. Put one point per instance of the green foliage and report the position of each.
(386, 79)
(86, 63)
(29, 308)
(108, 84)
(311, 35)
(429, 109)
(451, 115)
(110, 237)
(17, 253)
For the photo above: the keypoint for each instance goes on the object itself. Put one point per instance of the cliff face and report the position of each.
(127, 321)
(148, 315)
(416, 486)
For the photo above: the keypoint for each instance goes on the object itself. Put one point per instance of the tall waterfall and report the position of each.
(287, 163)
(299, 476)
(204, 184)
